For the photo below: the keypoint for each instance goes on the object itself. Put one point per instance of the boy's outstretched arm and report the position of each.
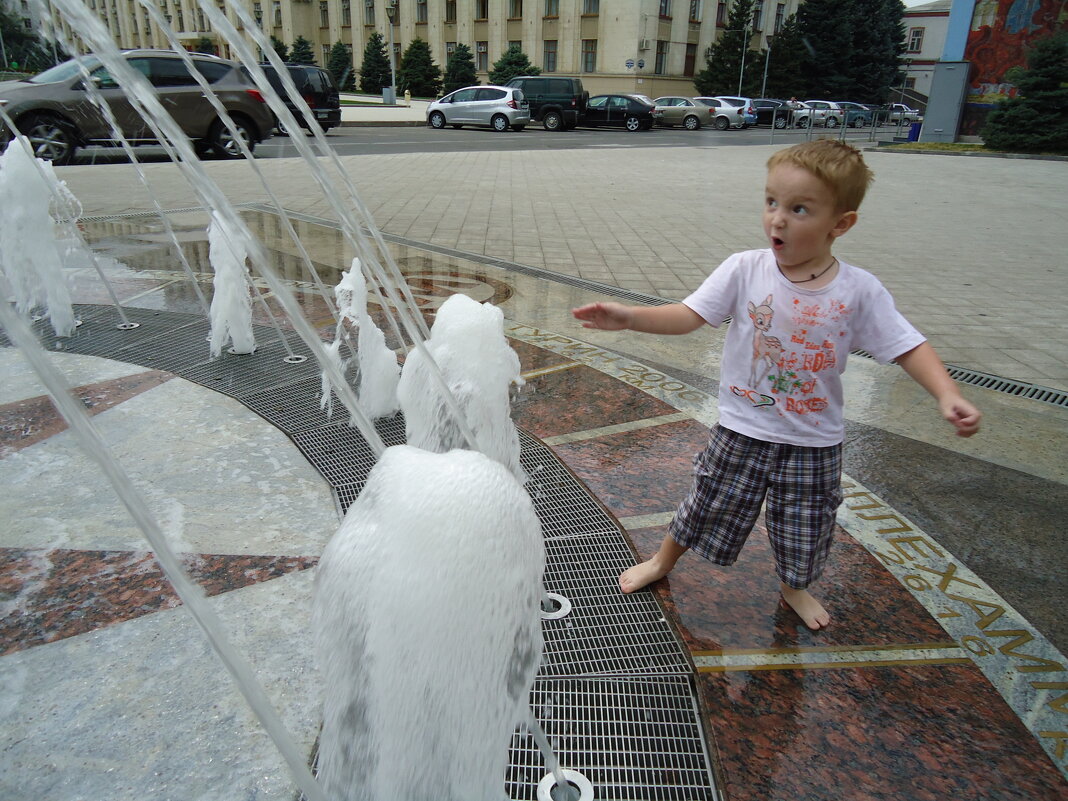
(675, 318)
(927, 370)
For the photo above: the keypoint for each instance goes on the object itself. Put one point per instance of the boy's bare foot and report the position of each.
(634, 578)
(807, 608)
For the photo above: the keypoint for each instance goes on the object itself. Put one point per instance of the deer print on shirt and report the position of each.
(766, 350)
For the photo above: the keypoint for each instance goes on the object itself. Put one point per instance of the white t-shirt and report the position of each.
(786, 349)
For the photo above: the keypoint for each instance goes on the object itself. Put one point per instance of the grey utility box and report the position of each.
(942, 117)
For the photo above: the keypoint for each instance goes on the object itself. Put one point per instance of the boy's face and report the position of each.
(800, 219)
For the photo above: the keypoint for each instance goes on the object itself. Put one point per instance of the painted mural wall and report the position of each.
(1002, 32)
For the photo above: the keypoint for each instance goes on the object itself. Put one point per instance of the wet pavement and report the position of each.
(941, 676)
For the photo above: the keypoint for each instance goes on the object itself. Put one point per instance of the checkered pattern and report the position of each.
(731, 478)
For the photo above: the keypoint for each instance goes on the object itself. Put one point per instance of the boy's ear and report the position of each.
(846, 221)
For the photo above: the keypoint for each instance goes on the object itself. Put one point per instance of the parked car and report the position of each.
(805, 115)
(682, 111)
(899, 112)
(724, 115)
(633, 112)
(856, 114)
(749, 114)
(316, 86)
(497, 107)
(770, 111)
(557, 103)
(55, 112)
(833, 115)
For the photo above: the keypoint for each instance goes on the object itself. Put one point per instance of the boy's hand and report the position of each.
(605, 316)
(963, 415)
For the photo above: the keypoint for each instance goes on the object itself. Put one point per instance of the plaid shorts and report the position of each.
(731, 478)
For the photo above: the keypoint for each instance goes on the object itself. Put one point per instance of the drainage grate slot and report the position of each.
(632, 738)
(606, 631)
(250, 374)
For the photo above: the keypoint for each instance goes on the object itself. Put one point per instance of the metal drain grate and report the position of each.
(342, 454)
(1020, 389)
(295, 407)
(634, 739)
(174, 350)
(606, 632)
(99, 336)
(243, 375)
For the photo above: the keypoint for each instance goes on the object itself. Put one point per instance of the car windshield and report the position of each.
(66, 70)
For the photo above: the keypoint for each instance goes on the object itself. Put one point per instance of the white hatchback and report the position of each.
(496, 107)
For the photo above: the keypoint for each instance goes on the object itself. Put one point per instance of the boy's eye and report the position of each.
(800, 210)
(771, 203)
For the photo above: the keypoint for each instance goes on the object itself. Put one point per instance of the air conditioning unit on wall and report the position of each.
(643, 44)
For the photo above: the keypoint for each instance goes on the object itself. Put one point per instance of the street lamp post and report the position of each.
(391, 12)
(745, 47)
(767, 58)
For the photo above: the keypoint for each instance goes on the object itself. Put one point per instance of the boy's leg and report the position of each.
(803, 498)
(634, 578)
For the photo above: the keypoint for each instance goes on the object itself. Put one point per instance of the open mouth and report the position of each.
(776, 242)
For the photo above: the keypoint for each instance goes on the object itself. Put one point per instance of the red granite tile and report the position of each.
(60, 593)
(922, 733)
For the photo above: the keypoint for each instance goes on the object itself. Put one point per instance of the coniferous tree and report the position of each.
(723, 59)
(302, 51)
(417, 72)
(280, 48)
(374, 71)
(785, 70)
(204, 45)
(25, 50)
(340, 66)
(460, 69)
(1036, 120)
(514, 62)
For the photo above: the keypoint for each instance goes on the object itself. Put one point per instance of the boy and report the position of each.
(797, 313)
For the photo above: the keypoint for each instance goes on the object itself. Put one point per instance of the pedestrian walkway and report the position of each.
(941, 675)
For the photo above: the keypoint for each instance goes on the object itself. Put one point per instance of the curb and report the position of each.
(382, 123)
(881, 148)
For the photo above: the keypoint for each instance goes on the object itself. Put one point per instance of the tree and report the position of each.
(785, 70)
(460, 69)
(280, 48)
(374, 71)
(1036, 120)
(514, 62)
(204, 45)
(302, 51)
(340, 66)
(417, 72)
(723, 59)
(24, 49)
(853, 48)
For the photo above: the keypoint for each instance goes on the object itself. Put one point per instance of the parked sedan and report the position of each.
(856, 115)
(724, 115)
(805, 115)
(772, 112)
(497, 107)
(633, 112)
(682, 111)
(745, 104)
(833, 115)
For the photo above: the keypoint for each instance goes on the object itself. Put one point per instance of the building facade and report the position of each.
(925, 36)
(654, 47)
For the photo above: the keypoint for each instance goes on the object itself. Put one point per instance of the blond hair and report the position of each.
(839, 166)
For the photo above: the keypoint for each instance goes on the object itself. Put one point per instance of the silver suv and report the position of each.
(499, 107)
(55, 112)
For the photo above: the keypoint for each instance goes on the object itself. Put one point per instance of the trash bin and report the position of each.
(914, 131)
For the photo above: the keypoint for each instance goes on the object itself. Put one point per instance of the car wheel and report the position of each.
(691, 123)
(51, 138)
(722, 123)
(225, 144)
(832, 122)
(499, 123)
(632, 123)
(804, 122)
(281, 127)
(781, 122)
(518, 127)
(437, 120)
(553, 121)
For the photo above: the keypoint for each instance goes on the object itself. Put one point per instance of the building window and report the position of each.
(589, 55)
(758, 16)
(515, 9)
(326, 54)
(665, 8)
(548, 55)
(695, 10)
(721, 15)
(276, 13)
(910, 83)
(450, 48)
(915, 40)
(324, 14)
(481, 9)
(691, 60)
(179, 18)
(420, 11)
(552, 8)
(591, 7)
(450, 10)
(482, 56)
(346, 13)
(661, 57)
(369, 12)
(780, 14)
